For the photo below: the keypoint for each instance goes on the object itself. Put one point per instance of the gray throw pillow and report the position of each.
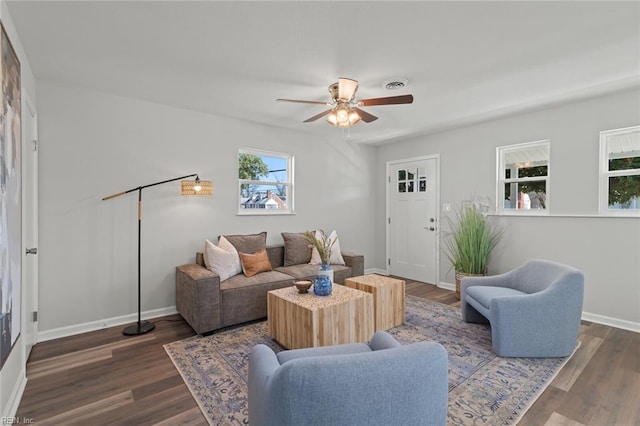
(249, 243)
(297, 249)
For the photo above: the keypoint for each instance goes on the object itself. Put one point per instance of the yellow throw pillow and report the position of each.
(253, 263)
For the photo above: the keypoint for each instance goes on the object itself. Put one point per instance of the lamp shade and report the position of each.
(189, 187)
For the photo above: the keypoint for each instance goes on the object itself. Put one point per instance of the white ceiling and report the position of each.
(465, 61)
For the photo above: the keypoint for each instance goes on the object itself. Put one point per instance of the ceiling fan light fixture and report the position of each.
(332, 118)
(342, 114)
(354, 117)
(345, 110)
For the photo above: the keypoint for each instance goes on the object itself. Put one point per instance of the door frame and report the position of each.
(387, 209)
(29, 220)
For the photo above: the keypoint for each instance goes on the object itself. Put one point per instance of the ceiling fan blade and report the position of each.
(347, 88)
(365, 116)
(304, 102)
(315, 117)
(391, 100)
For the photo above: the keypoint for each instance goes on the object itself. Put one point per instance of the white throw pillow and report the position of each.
(336, 255)
(222, 259)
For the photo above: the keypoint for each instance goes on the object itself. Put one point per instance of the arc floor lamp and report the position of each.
(189, 187)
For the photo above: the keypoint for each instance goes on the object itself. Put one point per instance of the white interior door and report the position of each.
(30, 217)
(412, 223)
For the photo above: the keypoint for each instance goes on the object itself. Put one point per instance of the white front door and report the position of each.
(30, 214)
(412, 205)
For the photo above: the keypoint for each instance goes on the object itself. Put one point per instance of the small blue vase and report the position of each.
(323, 284)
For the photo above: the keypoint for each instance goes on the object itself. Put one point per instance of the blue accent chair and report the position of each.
(379, 383)
(534, 310)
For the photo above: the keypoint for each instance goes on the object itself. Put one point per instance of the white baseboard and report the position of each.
(446, 286)
(10, 410)
(376, 271)
(57, 333)
(72, 330)
(612, 322)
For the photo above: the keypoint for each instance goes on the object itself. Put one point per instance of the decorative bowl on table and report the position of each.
(303, 286)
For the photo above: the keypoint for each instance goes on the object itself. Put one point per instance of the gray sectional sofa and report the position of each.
(208, 304)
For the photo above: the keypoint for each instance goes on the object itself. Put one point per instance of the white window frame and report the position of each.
(289, 184)
(605, 174)
(501, 181)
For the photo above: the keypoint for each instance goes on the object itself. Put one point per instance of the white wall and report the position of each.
(93, 145)
(607, 250)
(12, 376)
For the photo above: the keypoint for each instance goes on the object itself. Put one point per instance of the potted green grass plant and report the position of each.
(470, 242)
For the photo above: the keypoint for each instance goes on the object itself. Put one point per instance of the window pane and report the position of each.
(527, 158)
(624, 151)
(627, 163)
(260, 196)
(624, 192)
(262, 167)
(525, 195)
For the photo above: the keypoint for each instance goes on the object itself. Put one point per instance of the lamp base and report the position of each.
(139, 328)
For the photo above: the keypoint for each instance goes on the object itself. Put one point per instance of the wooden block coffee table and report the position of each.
(306, 320)
(388, 298)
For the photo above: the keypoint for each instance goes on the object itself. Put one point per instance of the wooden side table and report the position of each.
(306, 320)
(388, 298)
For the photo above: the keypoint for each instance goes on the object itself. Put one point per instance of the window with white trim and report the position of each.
(523, 178)
(620, 171)
(265, 182)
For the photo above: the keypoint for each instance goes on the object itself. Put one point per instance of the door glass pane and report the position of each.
(410, 186)
(402, 187)
(402, 174)
(423, 184)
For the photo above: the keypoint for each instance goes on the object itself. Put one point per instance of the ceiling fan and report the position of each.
(345, 110)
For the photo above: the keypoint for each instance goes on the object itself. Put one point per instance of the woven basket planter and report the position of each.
(460, 275)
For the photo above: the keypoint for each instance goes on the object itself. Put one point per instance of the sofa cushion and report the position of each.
(254, 263)
(222, 259)
(309, 272)
(484, 294)
(297, 249)
(249, 243)
(299, 272)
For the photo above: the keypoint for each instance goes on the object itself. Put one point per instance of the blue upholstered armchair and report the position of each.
(534, 310)
(379, 383)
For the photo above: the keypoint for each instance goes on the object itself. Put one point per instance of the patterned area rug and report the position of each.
(483, 389)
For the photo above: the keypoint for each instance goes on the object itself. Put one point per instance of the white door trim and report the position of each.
(29, 305)
(387, 210)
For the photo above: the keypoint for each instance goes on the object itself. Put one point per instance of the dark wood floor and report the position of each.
(103, 377)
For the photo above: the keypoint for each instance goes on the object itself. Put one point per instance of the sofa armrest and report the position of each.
(383, 340)
(263, 363)
(198, 297)
(355, 262)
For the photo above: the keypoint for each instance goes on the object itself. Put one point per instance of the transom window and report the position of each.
(265, 182)
(523, 178)
(620, 171)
